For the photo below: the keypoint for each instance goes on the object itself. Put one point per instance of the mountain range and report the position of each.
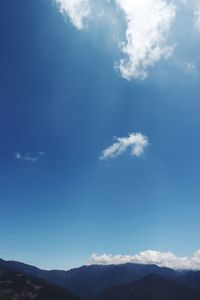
(107, 282)
(18, 286)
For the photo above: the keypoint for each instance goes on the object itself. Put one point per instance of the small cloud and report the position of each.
(135, 141)
(162, 259)
(41, 153)
(28, 156)
(190, 68)
(18, 155)
(76, 10)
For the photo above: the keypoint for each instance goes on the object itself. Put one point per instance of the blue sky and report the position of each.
(71, 86)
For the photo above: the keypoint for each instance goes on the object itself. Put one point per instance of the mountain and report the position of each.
(17, 286)
(88, 281)
(192, 279)
(150, 287)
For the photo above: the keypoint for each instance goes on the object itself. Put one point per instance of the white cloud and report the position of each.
(148, 23)
(77, 10)
(147, 29)
(136, 141)
(28, 156)
(162, 259)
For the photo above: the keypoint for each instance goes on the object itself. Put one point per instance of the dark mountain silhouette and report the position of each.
(192, 279)
(88, 282)
(17, 286)
(150, 287)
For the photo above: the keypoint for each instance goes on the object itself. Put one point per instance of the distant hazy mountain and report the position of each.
(17, 286)
(150, 287)
(88, 282)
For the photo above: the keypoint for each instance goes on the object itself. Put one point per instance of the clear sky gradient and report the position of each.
(63, 102)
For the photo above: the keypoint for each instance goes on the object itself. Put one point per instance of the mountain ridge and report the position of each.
(150, 287)
(89, 281)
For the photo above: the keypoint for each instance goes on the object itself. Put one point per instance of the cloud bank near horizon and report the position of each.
(162, 259)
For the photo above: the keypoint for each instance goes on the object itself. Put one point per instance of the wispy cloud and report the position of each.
(197, 15)
(190, 68)
(77, 10)
(195, 6)
(29, 156)
(135, 141)
(162, 259)
(148, 23)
